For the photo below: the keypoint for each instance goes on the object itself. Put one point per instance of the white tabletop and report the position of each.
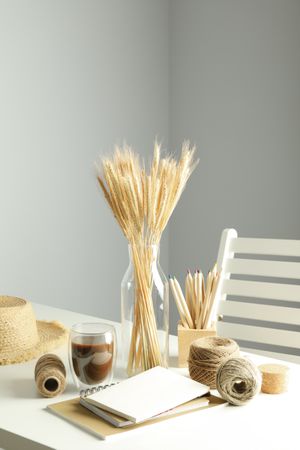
(268, 422)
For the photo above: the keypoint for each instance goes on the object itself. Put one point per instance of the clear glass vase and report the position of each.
(144, 311)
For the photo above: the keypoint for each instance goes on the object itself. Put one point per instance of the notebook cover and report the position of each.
(148, 394)
(75, 413)
(119, 421)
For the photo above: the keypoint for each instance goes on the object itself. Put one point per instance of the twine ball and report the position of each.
(50, 375)
(207, 354)
(238, 380)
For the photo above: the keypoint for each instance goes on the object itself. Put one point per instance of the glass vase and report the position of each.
(144, 311)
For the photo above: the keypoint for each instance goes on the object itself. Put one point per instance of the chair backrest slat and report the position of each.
(275, 247)
(276, 269)
(256, 311)
(277, 355)
(263, 335)
(257, 289)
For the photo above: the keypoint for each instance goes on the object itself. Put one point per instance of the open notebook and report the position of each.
(147, 394)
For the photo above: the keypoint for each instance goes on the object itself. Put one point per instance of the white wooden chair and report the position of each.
(263, 315)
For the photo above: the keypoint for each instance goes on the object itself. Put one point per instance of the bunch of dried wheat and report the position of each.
(142, 203)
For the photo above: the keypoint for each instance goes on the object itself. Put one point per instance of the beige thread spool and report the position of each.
(274, 378)
(50, 375)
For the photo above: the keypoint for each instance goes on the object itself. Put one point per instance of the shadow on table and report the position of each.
(173, 361)
(26, 388)
(10, 441)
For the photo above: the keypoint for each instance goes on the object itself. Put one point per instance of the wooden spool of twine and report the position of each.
(238, 380)
(50, 375)
(274, 378)
(207, 354)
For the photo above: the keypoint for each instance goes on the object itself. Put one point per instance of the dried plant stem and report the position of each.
(144, 339)
(142, 204)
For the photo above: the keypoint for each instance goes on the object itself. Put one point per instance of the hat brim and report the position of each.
(51, 335)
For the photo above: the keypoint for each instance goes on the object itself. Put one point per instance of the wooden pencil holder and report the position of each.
(185, 337)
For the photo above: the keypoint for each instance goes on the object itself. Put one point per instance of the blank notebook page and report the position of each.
(148, 394)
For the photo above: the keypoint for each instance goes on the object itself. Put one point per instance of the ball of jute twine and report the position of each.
(238, 380)
(50, 375)
(206, 355)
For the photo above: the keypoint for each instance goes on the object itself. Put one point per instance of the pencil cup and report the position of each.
(185, 337)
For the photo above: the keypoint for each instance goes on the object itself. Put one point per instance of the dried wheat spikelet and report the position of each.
(142, 203)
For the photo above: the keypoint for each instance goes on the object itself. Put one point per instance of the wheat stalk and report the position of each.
(142, 204)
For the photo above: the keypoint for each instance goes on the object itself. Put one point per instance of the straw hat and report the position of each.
(22, 337)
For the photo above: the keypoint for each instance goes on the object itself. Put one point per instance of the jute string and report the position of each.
(50, 375)
(238, 380)
(207, 354)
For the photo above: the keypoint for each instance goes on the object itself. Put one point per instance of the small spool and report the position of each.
(274, 378)
(50, 375)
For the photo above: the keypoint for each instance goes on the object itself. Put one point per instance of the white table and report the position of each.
(269, 422)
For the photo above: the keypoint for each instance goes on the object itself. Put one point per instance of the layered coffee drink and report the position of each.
(91, 354)
(92, 363)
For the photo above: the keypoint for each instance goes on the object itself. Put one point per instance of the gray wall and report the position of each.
(235, 92)
(76, 77)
